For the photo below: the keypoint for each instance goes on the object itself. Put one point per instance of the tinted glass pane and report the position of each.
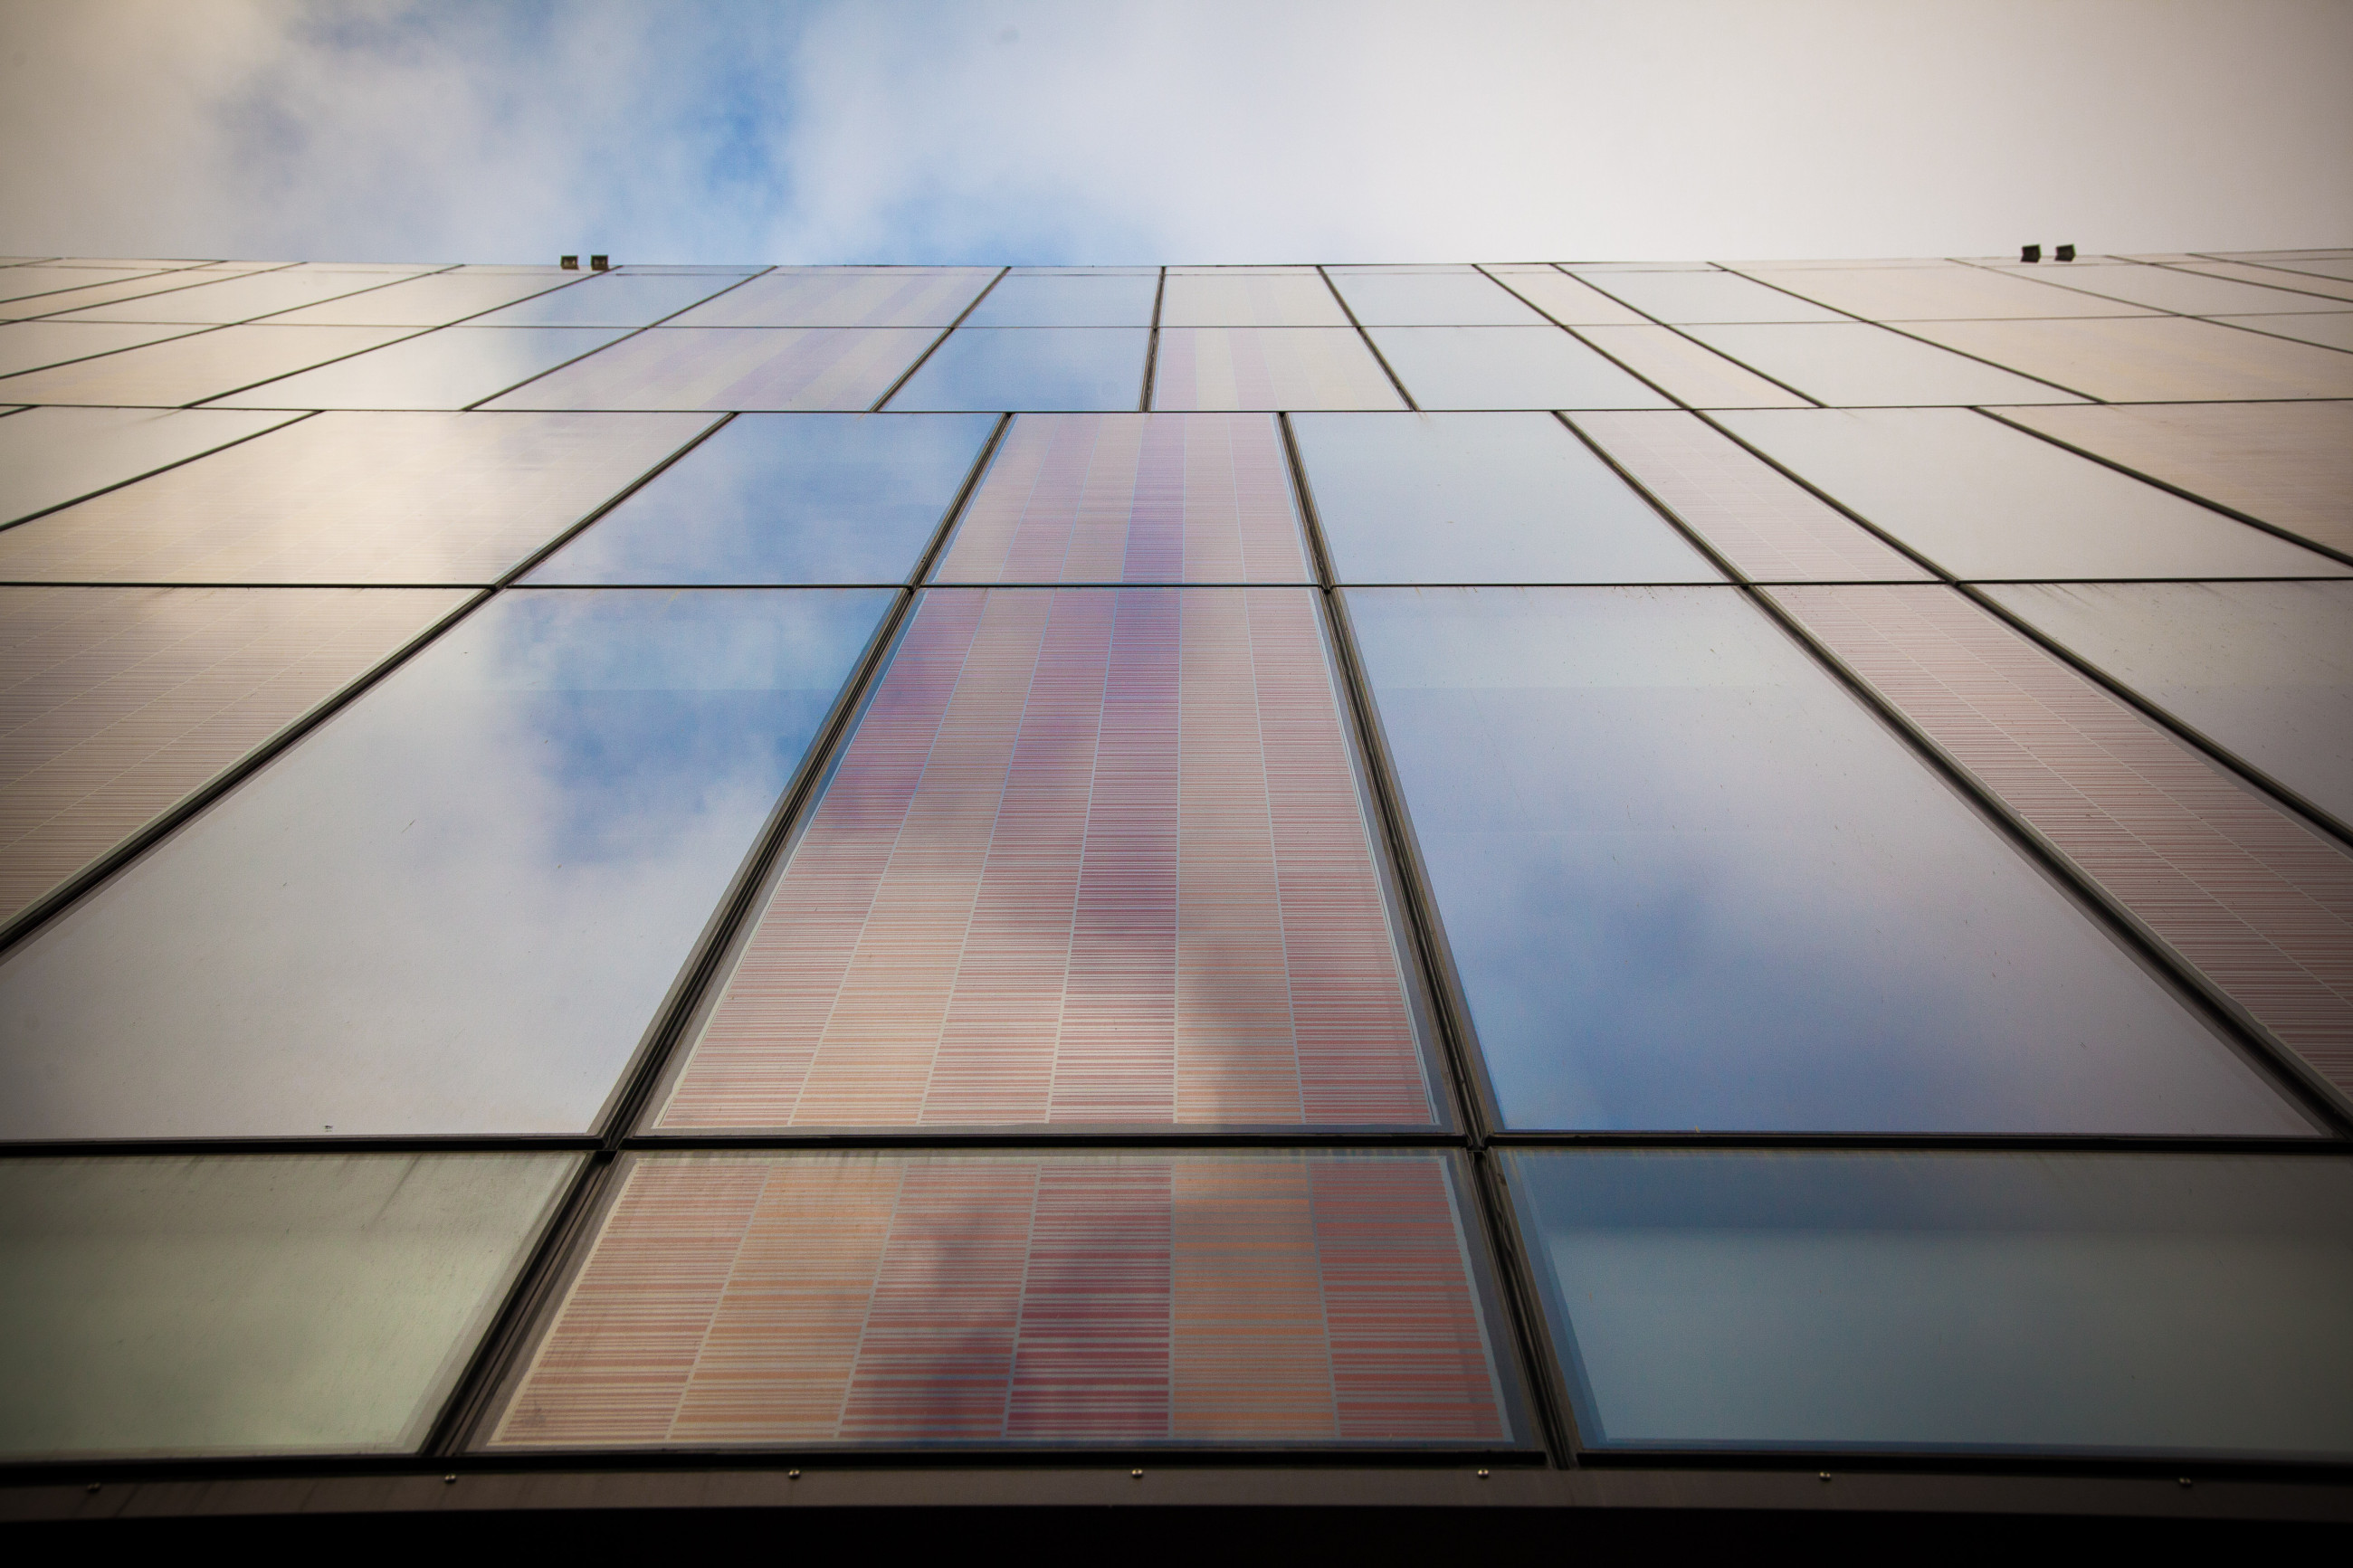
(437, 370)
(1682, 297)
(1104, 1299)
(2150, 359)
(42, 292)
(615, 300)
(353, 497)
(845, 297)
(1984, 500)
(2265, 668)
(1133, 497)
(1269, 367)
(1031, 367)
(2069, 1302)
(817, 369)
(1507, 367)
(1069, 299)
(1935, 293)
(1435, 297)
(1567, 300)
(1852, 364)
(1690, 370)
(2290, 464)
(241, 297)
(1479, 498)
(785, 498)
(2334, 330)
(253, 1304)
(37, 281)
(194, 368)
(29, 345)
(1689, 883)
(50, 456)
(1249, 297)
(456, 905)
(2190, 293)
(432, 302)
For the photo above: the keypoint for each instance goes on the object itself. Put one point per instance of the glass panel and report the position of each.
(50, 456)
(1430, 297)
(42, 292)
(614, 299)
(456, 905)
(1507, 367)
(353, 497)
(1119, 1299)
(1031, 367)
(2153, 359)
(1026, 299)
(115, 703)
(1269, 368)
(1133, 497)
(28, 282)
(1565, 299)
(2189, 293)
(2296, 264)
(448, 369)
(1479, 498)
(845, 297)
(785, 498)
(30, 345)
(191, 369)
(1689, 883)
(2332, 331)
(2241, 890)
(2070, 1303)
(229, 1304)
(1935, 293)
(2290, 464)
(239, 298)
(2264, 669)
(434, 301)
(816, 370)
(1769, 528)
(1093, 857)
(1984, 500)
(1249, 297)
(1690, 370)
(1680, 297)
(1855, 363)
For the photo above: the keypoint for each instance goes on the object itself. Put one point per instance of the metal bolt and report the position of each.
(1826, 1476)
(2185, 1482)
(791, 1475)
(93, 1486)
(1137, 1475)
(449, 1480)
(1482, 1475)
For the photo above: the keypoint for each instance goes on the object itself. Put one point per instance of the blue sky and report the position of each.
(1043, 132)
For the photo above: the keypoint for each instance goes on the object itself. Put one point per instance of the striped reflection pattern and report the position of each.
(1269, 367)
(1098, 1299)
(2241, 890)
(1133, 497)
(1091, 856)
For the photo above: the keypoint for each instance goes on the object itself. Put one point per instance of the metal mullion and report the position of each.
(1630, 370)
(299, 415)
(1366, 338)
(1152, 344)
(909, 374)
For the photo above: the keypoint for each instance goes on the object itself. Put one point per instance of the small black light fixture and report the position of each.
(2064, 253)
(2030, 253)
(569, 263)
(600, 263)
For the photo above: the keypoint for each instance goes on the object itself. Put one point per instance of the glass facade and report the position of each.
(1497, 868)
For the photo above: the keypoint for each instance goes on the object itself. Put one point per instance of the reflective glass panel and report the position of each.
(1689, 883)
(1249, 297)
(2150, 359)
(29, 345)
(42, 292)
(448, 369)
(2300, 264)
(353, 497)
(1570, 301)
(1691, 372)
(115, 703)
(456, 905)
(2290, 464)
(186, 370)
(1507, 367)
(612, 300)
(1680, 297)
(239, 298)
(1093, 857)
(1121, 1300)
(29, 283)
(1439, 297)
(1854, 365)
(434, 301)
(2189, 293)
(1479, 498)
(2051, 1303)
(845, 297)
(1270, 368)
(1935, 293)
(1031, 367)
(1133, 497)
(814, 369)
(50, 456)
(1050, 298)
(1984, 500)
(2332, 331)
(2264, 669)
(252, 1304)
(785, 498)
